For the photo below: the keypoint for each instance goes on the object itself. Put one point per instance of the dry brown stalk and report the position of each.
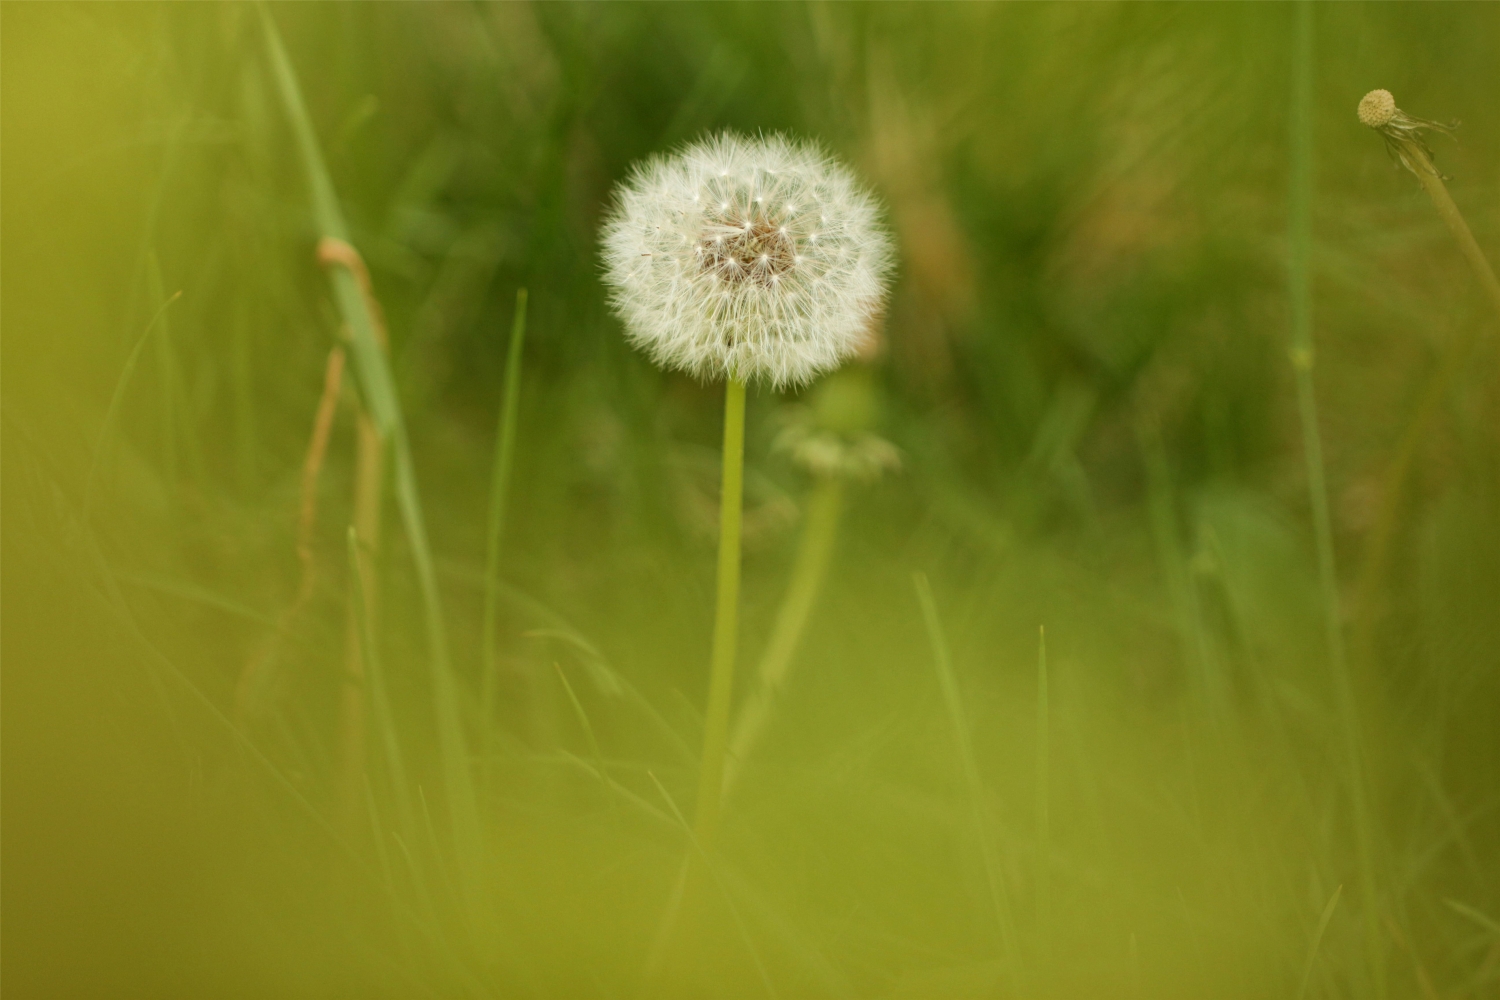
(253, 678)
(369, 472)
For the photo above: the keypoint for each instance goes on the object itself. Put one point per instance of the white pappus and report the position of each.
(753, 259)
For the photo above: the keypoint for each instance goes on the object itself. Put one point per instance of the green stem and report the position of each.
(726, 616)
(824, 509)
(1043, 794)
(505, 446)
(1300, 288)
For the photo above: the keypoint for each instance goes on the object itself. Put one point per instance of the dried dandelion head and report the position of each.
(1402, 133)
(755, 259)
(834, 436)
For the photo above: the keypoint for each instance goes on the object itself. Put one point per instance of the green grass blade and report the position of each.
(588, 727)
(377, 389)
(112, 412)
(1312, 953)
(505, 446)
(1302, 354)
(943, 660)
(380, 704)
(1043, 792)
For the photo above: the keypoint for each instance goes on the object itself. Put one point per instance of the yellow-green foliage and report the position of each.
(1147, 258)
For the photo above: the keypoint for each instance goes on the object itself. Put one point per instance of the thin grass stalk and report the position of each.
(983, 828)
(377, 389)
(588, 732)
(1317, 941)
(505, 446)
(166, 391)
(1377, 549)
(726, 618)
(814, 550)
(1197, 653)
(112, 412)
(1043, 795)
(368, 650)
(244, 404)
(369, 473)
(1302, 356)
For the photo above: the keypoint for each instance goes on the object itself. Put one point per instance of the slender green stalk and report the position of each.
(726, 617)
(166, 392)
(111, 413)
(378, 390)
(1197, 651)
(943, 660)
(1317, 941)
(1043, 793)
(244, 403)
(375, 687)
(505, 446)
(819, 531)
(1300, 289)
(369, 477)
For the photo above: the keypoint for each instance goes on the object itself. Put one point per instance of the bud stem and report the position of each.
(1443, 202)
(820, 530)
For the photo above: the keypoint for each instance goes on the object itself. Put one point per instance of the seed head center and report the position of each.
(741, 249)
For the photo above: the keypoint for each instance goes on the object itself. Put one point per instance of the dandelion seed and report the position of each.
(786, 215)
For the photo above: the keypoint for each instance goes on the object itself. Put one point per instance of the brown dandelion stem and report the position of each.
(726, 617)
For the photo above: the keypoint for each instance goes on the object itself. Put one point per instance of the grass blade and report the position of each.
(942, 659)
(377, 389)
(1300, 291)
(1043, 793)
(505, 444)
(1312, 953)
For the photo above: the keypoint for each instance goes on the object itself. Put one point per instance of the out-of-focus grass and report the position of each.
(1086, 371)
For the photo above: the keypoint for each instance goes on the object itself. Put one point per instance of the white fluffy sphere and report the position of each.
(757, 259)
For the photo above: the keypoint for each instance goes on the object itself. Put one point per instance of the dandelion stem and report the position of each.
(1443, 202)
(726, 616)
(824, 509)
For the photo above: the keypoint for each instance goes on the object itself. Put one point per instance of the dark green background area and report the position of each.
(1086, 371)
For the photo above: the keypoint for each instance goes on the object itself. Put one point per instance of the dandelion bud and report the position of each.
(754, 259)
(1377, 108)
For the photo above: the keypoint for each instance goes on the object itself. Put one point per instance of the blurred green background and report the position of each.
(1085, 369)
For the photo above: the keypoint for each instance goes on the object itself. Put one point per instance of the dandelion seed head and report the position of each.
(776, 284)
(1403, 133)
